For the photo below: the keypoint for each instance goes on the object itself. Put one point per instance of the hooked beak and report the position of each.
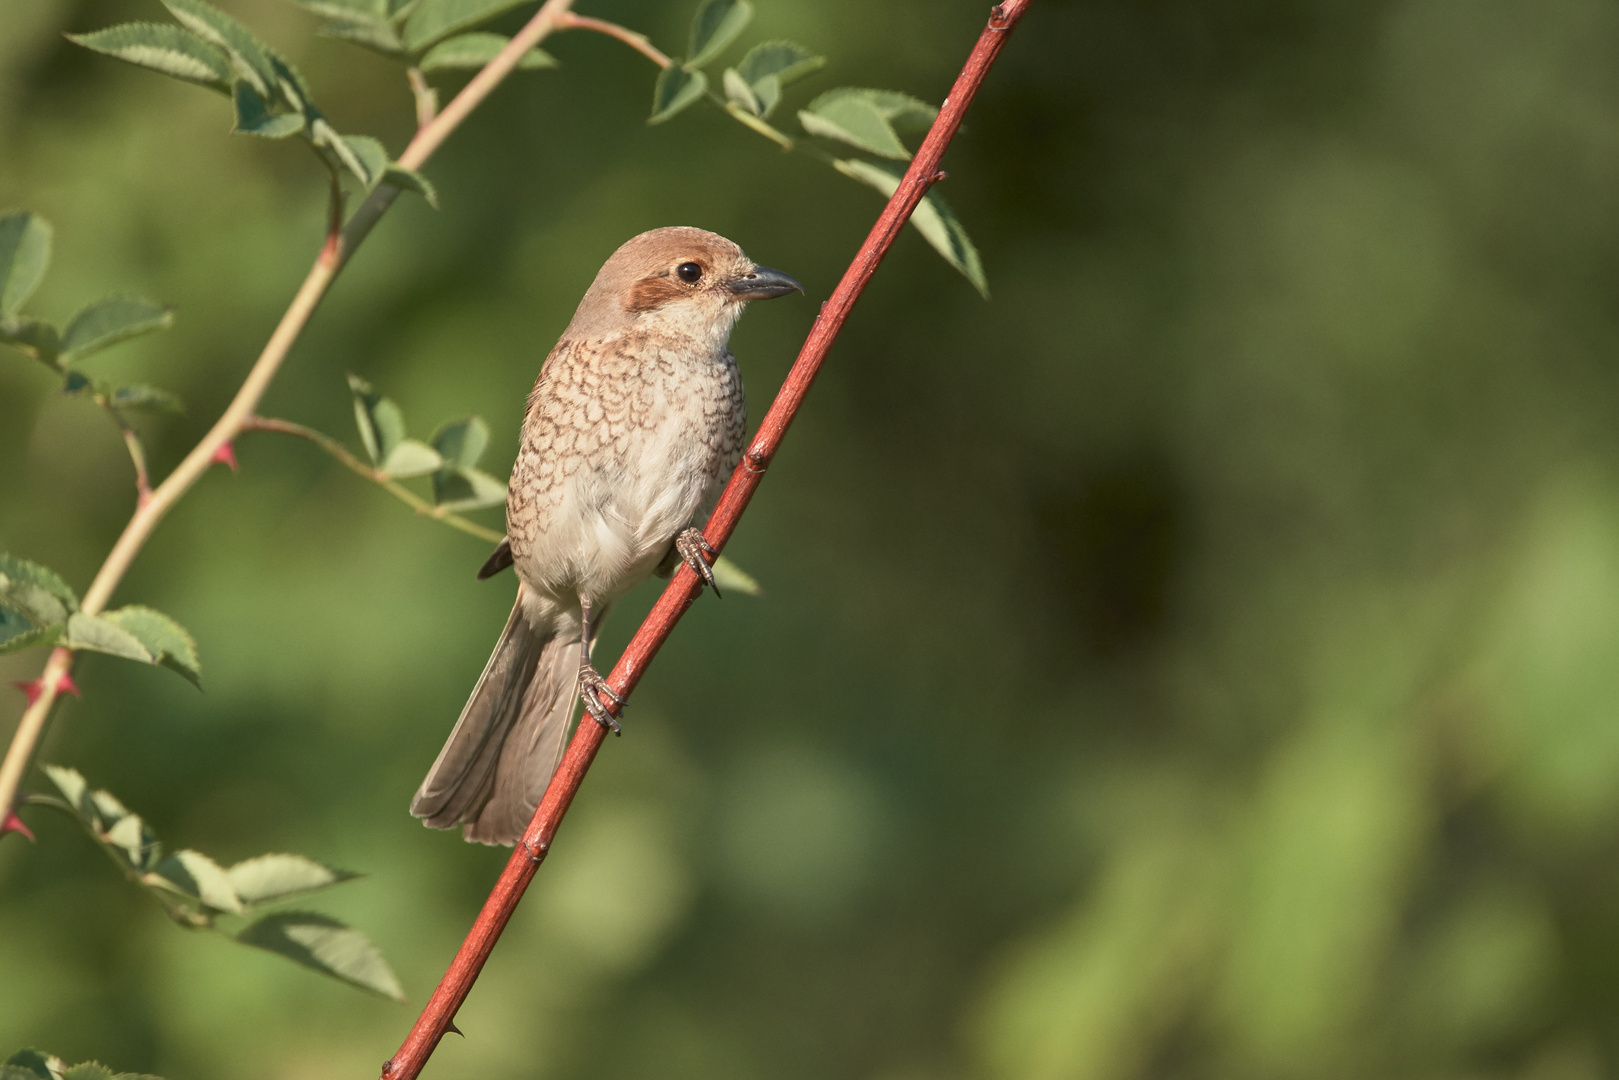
(762, 283)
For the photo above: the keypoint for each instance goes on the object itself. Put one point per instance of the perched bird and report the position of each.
(633, 427)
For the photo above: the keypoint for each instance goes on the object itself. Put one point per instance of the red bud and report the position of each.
(225, 455)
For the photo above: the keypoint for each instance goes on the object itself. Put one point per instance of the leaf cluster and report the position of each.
(197, 893)
(450, 457)
(38, 608)
(38, 1065)
(269, 97)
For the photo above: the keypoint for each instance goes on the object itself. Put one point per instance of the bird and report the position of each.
(632, 429)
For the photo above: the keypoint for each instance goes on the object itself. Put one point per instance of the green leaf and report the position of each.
(75, 789)
(30, 336)
(326, 945)
(381, 424)
(410, 180)
(740, 94)
(783, 60)
(107, 322)
(34, 592)
(89, 1070)
(25, 252)
(195, 875)
(130, 839)
(716, 24)
(340, 154)
(276, 877)
(170, 50)
(15, 635)
(462, 442)
(355, 10)
(162, 637)
(932, 218)
(97, 634)
(251, 59)
(866, 118)
(676, 89)
(467, 489)
(732, 578)
(743, 116)
(142, 398)
(37, 1063)
(432, 21)
(411, 457)
(253, 116)
(370, 156)
(476, 50)
(379, 37)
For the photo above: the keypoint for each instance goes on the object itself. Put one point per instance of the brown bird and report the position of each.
(633, 427)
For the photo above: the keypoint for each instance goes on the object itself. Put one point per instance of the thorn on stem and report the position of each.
(940, 175)
(225, 455)
(449, 1026)
(14, 824)
(32, 689)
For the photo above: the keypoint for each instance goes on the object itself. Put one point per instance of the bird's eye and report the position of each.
(689, 272)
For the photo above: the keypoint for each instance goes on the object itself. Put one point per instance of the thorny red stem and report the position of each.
(439, 1014)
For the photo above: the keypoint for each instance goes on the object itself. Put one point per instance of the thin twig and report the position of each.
(570, 21)
(376, 476)
(425, 96)
(137, 453)
(341, 242)
(439, 1014)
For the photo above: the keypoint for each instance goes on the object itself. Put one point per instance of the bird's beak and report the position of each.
(762, 283)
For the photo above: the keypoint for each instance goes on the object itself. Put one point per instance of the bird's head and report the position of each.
(677, 280)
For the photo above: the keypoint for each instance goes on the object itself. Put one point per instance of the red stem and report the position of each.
(439, 1014)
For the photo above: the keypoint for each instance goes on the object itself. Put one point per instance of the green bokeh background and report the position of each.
(1202, 660)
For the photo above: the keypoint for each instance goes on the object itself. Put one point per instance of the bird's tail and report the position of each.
(507, 743)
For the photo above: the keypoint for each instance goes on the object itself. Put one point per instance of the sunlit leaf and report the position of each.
(732, 578)
(783, 60)
(171, 50)
(76, 790)
(97, 634)
(276, 877)
(411, 457)
(354, 10)
(676, 89)
(35, 1063)
(25, 252)
(866, 118)
(932, 218)
(411, 180)
(253, 116)
(379, 37)
(740, 94)
(381, 424)
(131, 839)
(476, 50)
(162, 637)
(326, 945)
(432, 21)
(35, 592)
(250, 57)
(467, 489)
(716, 24)
(370, 155)
(107, 322)
(195, 875)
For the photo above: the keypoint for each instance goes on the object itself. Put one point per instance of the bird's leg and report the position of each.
(591, 684)
(695, 552)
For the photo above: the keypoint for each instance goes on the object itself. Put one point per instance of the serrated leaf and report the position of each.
(432, 21)
(269, 878)
(326, 945)
(35, 591)
(250, 57)
(107, 322)
(379, 37)
(89, 1070)
(783, 60)
(253, 116)
(33, 337)
(675, 90)
(476, 50)
(932, 218)
(140, 397)
(193, 874)
(411, 180)
(768, 91)
(467, 489)
(381, 424)
(162, 637)
(411, 457)
(371, 156)
(37, 1063)
(462, 442)
(25, 252)
(130, 838)
(75, 789)
(171, 50)
(740, 94)
(14, 640)
(98, 635)
(355, 10)
(732, 578)
(866, 119)
(716, 24)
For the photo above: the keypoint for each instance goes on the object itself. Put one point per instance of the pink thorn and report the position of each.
(30, 690)
(225, 455)
(64, 685)
(13, 823)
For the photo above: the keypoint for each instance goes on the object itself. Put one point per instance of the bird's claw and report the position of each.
(695, 552)
(591, 687)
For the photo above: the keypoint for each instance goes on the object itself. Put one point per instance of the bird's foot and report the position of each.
(591, 688)
(695, 552)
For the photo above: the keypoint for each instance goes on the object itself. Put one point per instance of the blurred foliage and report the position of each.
(1203, 661)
